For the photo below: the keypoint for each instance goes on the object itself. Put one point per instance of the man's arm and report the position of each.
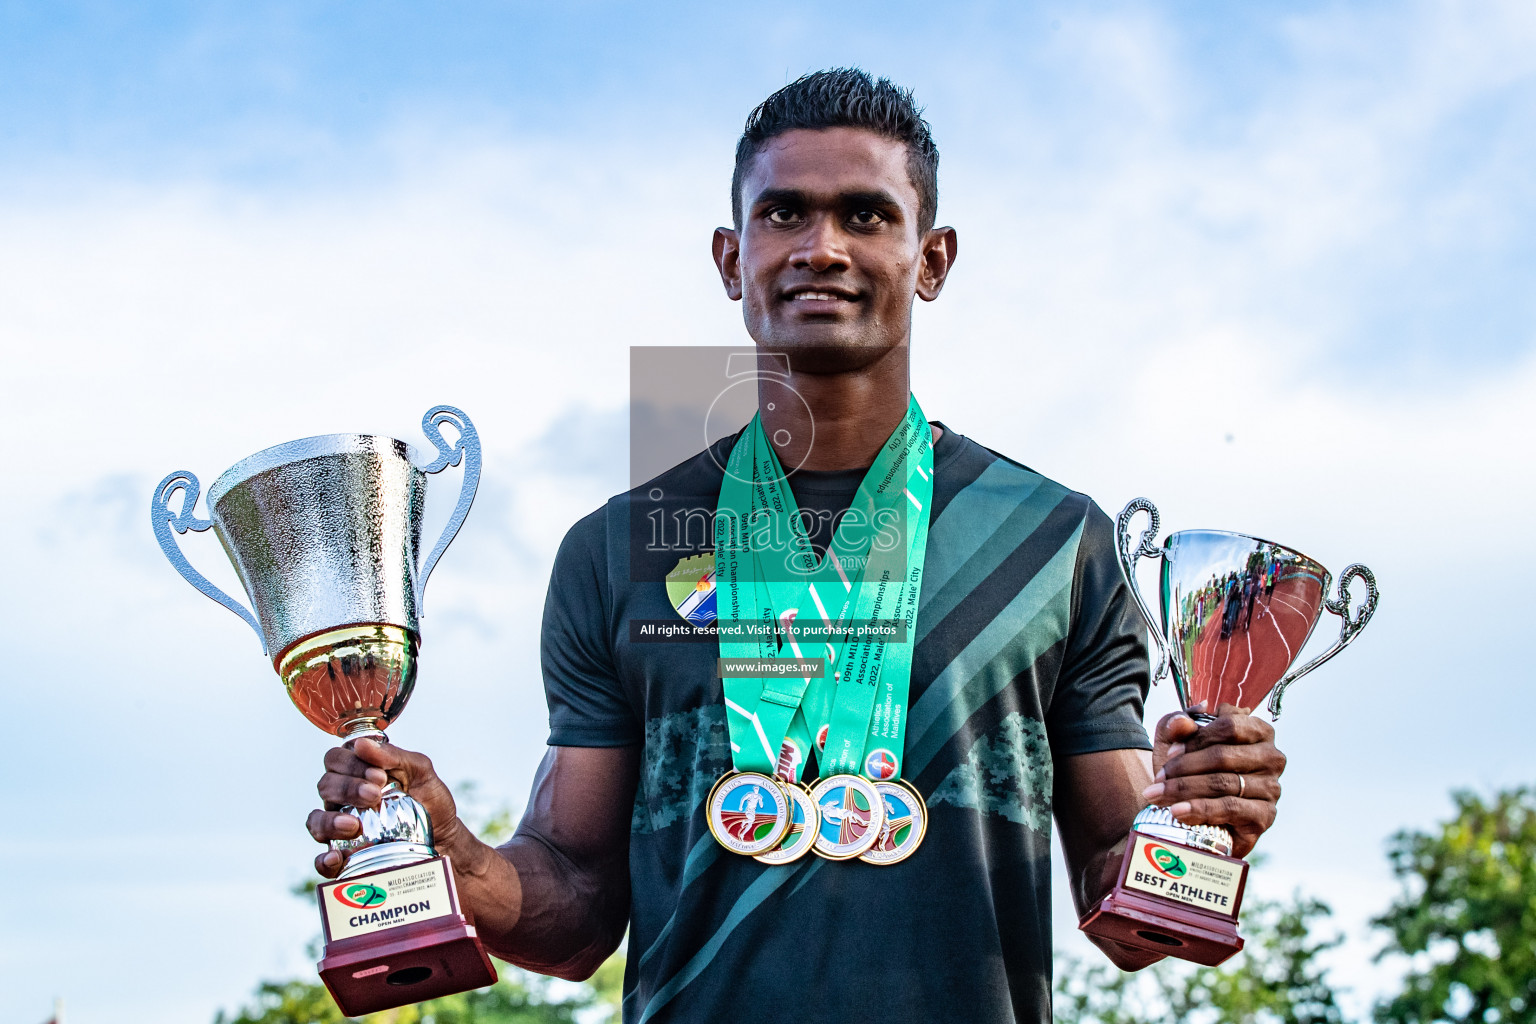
(1096, 797)
(1193, 770)
(555, 898)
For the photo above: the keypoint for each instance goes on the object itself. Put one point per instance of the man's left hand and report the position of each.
(1226, 772)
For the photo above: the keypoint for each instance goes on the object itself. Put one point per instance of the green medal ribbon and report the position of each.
(768, 575)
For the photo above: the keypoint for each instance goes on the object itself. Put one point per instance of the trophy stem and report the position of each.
(362, 729)
(386, 855)
(1160, 823)
(398, 833)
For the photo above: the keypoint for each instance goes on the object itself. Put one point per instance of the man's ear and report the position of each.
(727, 249)
(939, 248)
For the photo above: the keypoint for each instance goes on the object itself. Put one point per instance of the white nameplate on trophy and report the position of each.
(372, 903)
(1188, 876)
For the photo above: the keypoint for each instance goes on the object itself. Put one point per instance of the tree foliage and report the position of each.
(1464, 924)
(287, 1002)
(1277, 979)
(1466, 918)
(517, 998)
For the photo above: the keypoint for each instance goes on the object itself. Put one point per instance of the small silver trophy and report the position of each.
(325, 535)
(1236, 612)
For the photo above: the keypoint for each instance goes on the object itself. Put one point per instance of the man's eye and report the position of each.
(782, 215)
(867, 218)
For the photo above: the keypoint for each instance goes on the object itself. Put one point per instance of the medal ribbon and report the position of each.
(768, 573)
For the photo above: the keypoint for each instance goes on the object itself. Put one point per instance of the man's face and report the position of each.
(829, 253)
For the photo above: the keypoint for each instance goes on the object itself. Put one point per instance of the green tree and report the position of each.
(607, 986)
(1466, 918)
(1276, 979)
(517, 998)
(287, 1002)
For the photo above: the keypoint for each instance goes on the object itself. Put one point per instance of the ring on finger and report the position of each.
(1242, 785)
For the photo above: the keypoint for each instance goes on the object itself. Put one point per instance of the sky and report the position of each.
(1268, 266)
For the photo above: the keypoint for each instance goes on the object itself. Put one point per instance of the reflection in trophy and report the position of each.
(325, 536)
(1236, 612)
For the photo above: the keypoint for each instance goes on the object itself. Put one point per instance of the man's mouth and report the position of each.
(814, 296)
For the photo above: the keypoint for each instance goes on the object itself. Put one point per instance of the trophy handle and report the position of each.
(467, 447)
(1350, 628)
(1146, 547)
(162, 519)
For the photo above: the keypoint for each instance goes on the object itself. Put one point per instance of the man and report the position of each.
(749, 805)
(1028, 666)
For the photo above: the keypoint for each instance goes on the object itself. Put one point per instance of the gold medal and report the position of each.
(905, 824)
(748, 812)
(851, 816)
(804, 823)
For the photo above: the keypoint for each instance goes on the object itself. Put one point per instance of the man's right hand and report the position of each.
(554, 898)
(355, 777)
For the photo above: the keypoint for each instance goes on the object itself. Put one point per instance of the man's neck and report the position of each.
(826, 421)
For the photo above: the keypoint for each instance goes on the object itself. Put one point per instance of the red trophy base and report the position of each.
(397, 936)
(1173, 899)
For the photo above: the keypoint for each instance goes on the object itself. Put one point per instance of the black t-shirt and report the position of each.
(1028, 649)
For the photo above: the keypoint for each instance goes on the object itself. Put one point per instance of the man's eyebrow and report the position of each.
(782, 197)
(878, 199)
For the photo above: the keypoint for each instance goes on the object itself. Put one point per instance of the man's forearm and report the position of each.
(532, 908)
(1098, 876)
(1097, 798)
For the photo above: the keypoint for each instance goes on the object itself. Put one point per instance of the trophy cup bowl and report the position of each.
(325, 535)
(1236, 612)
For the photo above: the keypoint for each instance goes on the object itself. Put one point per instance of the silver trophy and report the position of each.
(325, 535)
(1236, 612)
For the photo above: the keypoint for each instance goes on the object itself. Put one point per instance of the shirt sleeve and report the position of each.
(1101, 694)
(587, 703)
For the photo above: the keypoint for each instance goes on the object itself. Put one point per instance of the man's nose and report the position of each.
(822, 247)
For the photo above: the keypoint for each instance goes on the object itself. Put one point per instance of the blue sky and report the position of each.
(174, 73)
(1269, 267)
(274, 96)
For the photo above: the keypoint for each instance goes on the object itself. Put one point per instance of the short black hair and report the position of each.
(845, 98)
